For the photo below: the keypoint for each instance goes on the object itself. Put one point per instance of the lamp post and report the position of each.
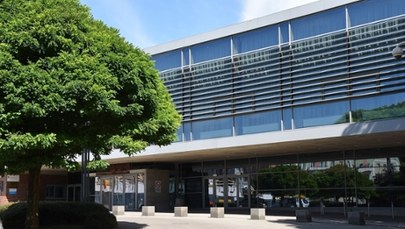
(398, 50)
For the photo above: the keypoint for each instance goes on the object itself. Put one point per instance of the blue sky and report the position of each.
(146, 23)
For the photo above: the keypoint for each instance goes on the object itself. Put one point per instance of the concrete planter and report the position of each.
(258, 213)
(180, 211)
(148, 210)
(303, 215)
(118, 210)
(217, 212)
(356, 218)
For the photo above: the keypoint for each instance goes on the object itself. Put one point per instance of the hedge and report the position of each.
(89, 215)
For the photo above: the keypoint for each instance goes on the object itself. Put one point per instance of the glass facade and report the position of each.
(326, 68)
(121, 190)
(337, 181)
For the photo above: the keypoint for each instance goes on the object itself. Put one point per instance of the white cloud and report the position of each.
(258, 8)
(123, 16)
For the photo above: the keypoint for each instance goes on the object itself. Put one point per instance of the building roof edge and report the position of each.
(270, 19)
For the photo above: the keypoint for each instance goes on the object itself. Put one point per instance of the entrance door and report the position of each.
(140, 190)
(237, 190)
(227, 191)
(130, 194)
(214, 192)
(106, 192)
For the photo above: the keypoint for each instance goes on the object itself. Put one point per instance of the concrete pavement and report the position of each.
(135, 220)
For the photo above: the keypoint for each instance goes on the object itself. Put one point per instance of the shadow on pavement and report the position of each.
(309, 225)
(131, 225)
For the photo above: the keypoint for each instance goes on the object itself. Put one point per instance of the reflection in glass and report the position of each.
(258, 122)
(106, 189)
(118, 195)
(321, 114)
(130, 194)
(212, 128)
(141, 190)
(97, 190)
(378, 107)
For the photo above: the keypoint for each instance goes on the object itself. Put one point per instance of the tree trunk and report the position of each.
(32, 221)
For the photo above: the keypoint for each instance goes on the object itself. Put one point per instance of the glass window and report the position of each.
(237, 167)
(211, 50)
(191, 170)
(186, 56)
(373, 10)
(287, 118)
(284, 34)
(179, 134)
(255, 39)
(187, 131)
(319, 23)
(213, 128)
(140, 190)
(214, 168)
(378, 107)
(321, 114)
(97, 190)
(258, 122)
(118, 197)
(270, 162)
(54, 192)
(167, 60)
(130, 193)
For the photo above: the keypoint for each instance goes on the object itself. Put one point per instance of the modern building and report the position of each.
(301, 108)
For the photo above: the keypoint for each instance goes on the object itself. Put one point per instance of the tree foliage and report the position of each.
(341, 176)
(68, 83)
(286, 180)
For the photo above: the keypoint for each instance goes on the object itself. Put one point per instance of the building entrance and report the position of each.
(134, 192)
(227, 191)
(128, 190)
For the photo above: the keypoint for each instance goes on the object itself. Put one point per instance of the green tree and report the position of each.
(287, 180)
(68, 83)
(345, 181)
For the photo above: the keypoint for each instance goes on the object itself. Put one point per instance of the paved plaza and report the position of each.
(135, 220)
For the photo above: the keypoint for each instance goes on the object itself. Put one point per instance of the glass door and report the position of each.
(106, 192)
(140, 190)
(214, 192)
(227, 192)
(130, 194)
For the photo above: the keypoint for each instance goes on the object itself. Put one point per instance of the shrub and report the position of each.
(13, 216)
(89, 215)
